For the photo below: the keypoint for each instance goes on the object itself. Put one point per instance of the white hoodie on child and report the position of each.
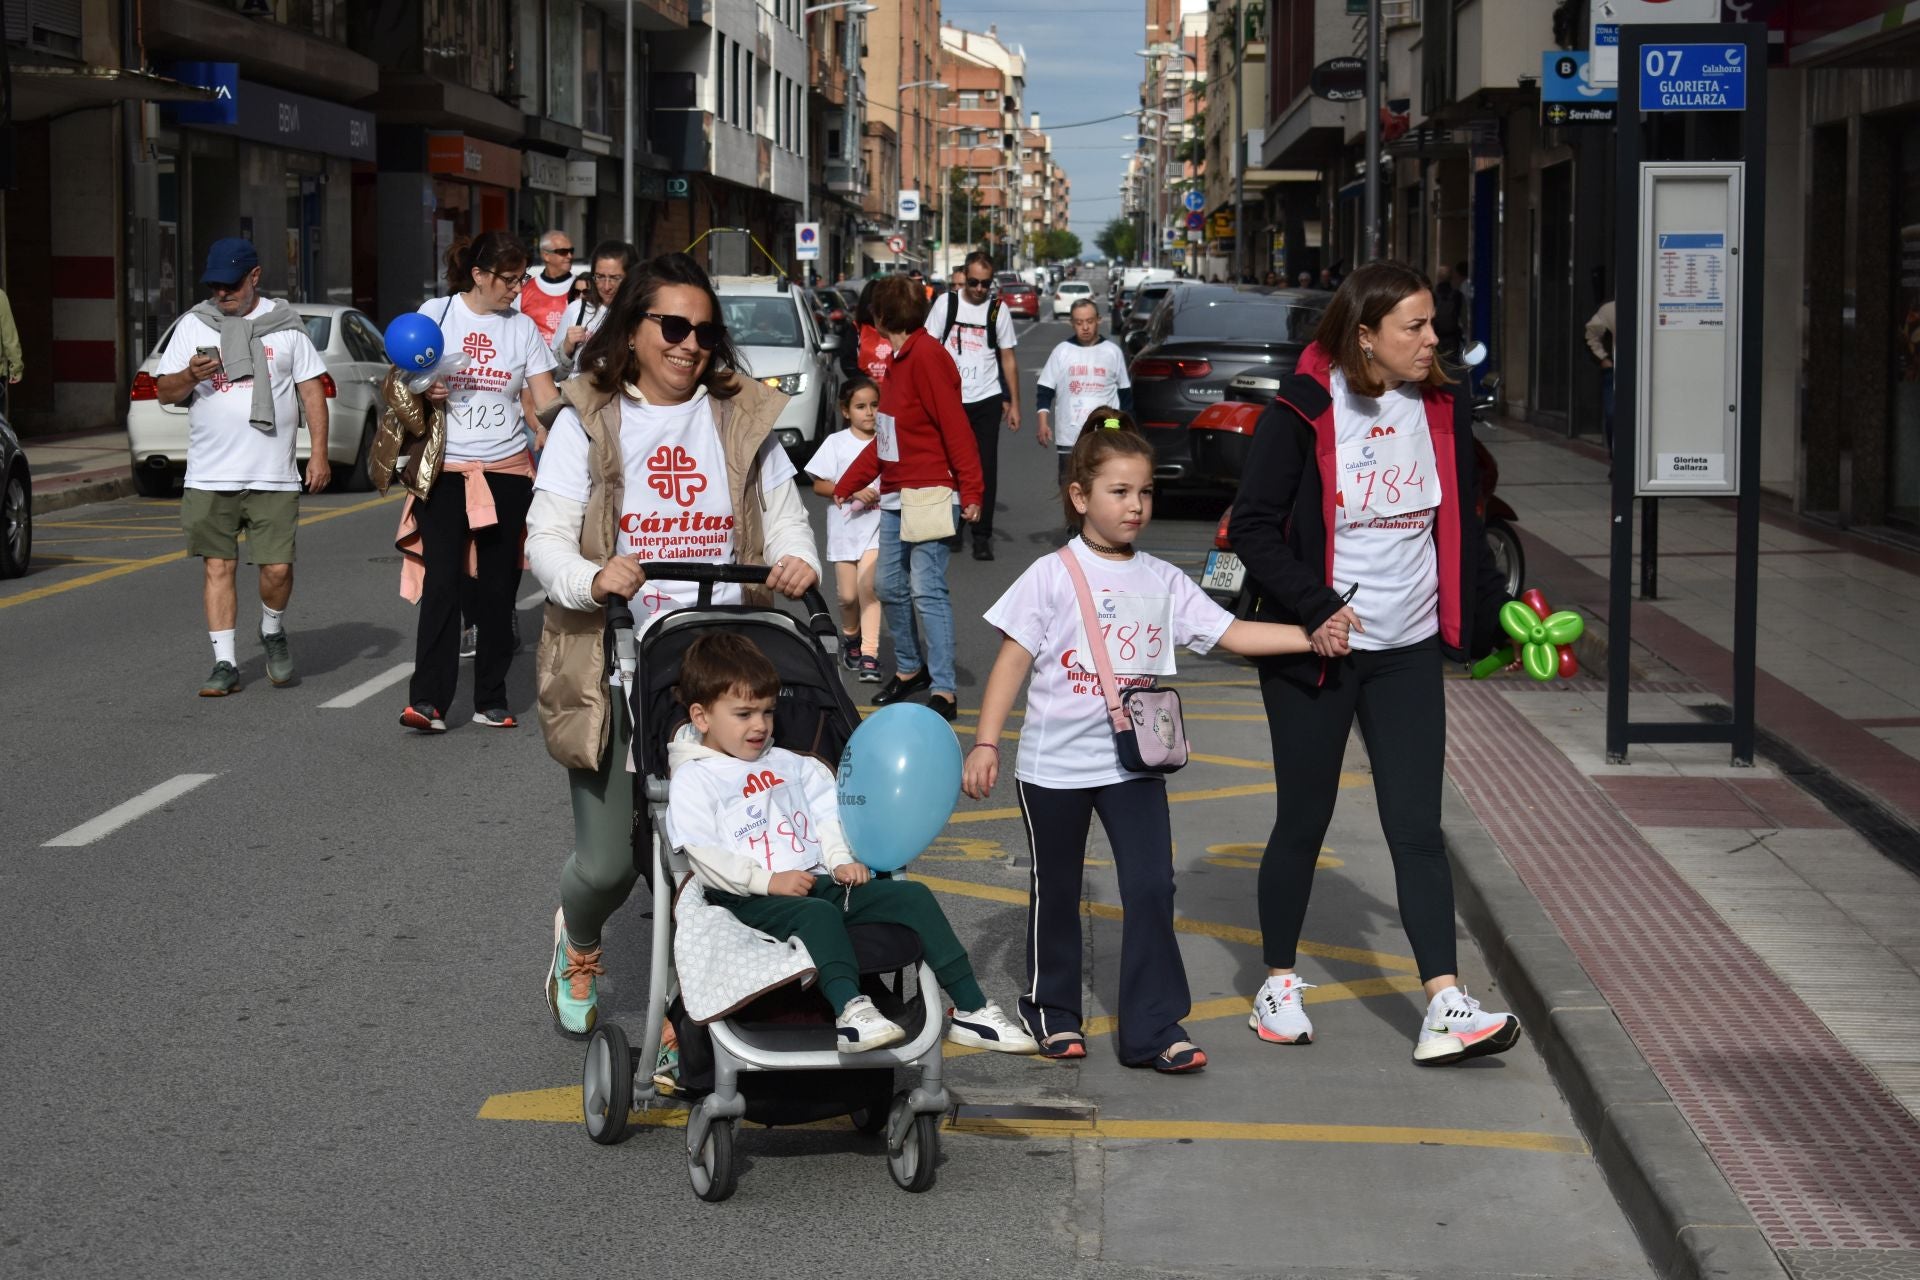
(742, 821)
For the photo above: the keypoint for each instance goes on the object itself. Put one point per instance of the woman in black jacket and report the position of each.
(1355, 519)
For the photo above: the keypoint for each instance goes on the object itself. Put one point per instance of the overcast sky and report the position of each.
(1080, 65)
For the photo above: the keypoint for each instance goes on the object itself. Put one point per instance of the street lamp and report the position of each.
(806, 96)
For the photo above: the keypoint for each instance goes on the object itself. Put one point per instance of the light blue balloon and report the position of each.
(899, 781)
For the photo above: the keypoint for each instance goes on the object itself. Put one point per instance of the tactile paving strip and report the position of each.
(1823, 1156)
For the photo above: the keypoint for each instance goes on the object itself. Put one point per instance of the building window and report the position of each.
(563, 62)
(733, 86)
(969, 101)
(593, 78)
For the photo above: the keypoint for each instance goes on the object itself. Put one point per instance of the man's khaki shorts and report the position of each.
(215, 518)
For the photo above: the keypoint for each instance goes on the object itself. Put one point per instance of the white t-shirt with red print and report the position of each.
(1384, 512)
(675, 505)
(503, 350)
(979, 363)
(852, 530)
(1083, 379)
(1147, 607)
(224, 449)
(771, 812)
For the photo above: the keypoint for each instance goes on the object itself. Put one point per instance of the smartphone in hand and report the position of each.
(210, 353)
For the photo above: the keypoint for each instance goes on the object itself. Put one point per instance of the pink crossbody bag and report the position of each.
(1149, 733)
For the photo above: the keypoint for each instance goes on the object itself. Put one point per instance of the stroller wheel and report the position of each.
(711, 1167)
(871, 1119)
(912, 1162)
(606, 1084)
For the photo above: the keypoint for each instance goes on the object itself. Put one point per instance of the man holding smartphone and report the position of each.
(241, 434)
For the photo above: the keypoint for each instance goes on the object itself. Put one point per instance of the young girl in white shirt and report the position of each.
(853, 529)
(1068, 768)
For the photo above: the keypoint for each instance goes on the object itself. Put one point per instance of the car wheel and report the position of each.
(153, 482)
(16, 525)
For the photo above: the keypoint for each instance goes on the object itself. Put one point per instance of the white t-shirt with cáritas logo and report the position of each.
(1384, 509)
(1083, 379)
(979, 364)
(1067, 738)
(768, 811)
(851, 531)
(225, 451)
(675, 505)
(503, 350)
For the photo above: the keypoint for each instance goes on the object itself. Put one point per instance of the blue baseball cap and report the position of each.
(229, 260)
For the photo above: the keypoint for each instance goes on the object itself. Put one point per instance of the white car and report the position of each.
(355, 354)
(1070, 292)
(774, 333)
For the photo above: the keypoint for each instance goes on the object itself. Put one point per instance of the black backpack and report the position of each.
(953, 317)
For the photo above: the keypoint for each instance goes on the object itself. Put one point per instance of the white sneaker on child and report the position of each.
(1277, 1016)
(861, 1027)
(988, 1028)
(1457, 1028)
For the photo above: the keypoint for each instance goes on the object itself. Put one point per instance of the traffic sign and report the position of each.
(1693, 77)
(1195, 221)
(806, 241)
(897, 243)
(1195, 202)
(907, 208)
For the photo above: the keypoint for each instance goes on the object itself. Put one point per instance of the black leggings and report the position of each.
(489, 606)
(1402, 708)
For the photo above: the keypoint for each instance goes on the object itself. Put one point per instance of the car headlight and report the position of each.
(791, 384)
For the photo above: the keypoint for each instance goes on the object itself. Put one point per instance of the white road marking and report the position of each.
(528, 601)
(366, 689)
(121, 814)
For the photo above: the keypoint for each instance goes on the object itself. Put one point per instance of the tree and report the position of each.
(958, 232)
(1119, 239)
(1054, 246)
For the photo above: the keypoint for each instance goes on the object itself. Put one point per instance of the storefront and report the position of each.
(264, 163)
(430, 188)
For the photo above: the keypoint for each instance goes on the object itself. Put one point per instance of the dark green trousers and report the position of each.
(819, 921)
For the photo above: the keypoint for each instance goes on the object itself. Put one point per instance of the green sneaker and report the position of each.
(279, 657)
(224, 680)
(573, 989)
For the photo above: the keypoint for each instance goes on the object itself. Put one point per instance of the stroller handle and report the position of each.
(620, 613)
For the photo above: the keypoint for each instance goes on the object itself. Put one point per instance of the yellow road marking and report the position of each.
(73, 559)
(134, 566)
(117, 528)
(562, 1106)
(1181, 924)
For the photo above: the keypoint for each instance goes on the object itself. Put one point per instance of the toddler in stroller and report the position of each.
(751, 812)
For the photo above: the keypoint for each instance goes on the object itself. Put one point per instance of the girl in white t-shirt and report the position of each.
(853, 529)
(1068, 768)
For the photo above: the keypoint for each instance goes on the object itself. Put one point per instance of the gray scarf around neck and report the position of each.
(241, 346)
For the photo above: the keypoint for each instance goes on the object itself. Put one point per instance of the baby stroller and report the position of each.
(772, 1061)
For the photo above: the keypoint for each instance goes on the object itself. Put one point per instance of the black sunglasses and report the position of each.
(676, 328)
(974, 282)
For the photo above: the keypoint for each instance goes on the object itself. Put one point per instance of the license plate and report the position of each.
(1224, 572)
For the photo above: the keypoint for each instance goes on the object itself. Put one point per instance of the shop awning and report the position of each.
(42, 92)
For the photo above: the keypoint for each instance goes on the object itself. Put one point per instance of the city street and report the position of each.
(275, 986)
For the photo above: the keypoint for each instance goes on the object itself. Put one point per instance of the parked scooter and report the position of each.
(1225, 578)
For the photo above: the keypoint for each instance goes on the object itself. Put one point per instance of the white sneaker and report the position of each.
(1278, 1016)
(988, 1028)
(862, 1027)
(1457, 1028)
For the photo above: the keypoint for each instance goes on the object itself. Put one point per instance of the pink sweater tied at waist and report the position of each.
(480, 515)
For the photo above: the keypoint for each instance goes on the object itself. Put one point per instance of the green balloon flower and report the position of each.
(1539, 639)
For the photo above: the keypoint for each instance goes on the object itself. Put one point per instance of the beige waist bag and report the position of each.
(926, 515)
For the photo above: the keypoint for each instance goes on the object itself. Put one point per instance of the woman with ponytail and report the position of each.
(467, 517)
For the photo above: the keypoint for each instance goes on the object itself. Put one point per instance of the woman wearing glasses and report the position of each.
(613, 261)
(468, 515)
(663, 451)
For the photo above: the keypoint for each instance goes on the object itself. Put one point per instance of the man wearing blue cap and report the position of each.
(238, 360)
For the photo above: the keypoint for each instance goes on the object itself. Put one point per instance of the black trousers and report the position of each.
(984, 415)
(1398, 698)
(1153, 978)
(488, 600)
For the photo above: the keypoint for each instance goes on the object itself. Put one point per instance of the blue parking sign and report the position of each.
(1693, 77)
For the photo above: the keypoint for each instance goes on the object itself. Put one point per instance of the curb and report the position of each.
(79, 495)
(1691, 1223)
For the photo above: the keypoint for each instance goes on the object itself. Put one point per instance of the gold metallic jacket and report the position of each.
(408, 417)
